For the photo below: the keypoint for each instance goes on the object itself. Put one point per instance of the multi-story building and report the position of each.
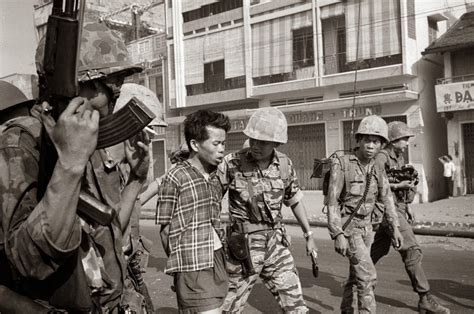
(455, 97)
(323, 63)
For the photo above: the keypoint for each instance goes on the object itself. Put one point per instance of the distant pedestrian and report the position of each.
(448, 172)
(189, 214)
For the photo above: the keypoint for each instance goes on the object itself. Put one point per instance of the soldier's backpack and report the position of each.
(345, 165)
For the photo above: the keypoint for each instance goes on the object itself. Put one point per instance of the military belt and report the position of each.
(247, 227)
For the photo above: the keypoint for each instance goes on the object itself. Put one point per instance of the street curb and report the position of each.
(440, 229)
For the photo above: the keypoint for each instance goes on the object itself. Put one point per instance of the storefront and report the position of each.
(455, 101)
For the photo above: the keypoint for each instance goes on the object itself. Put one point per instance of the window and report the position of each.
(212, 9)
(334, 44)
(303, 52)
(214, 76)
(143, 47)
(432, 30)
(411, 19)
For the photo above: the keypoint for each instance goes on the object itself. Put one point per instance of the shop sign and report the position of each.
(455, 96)
(304, 117)
(291, 118)
(238, 125)
(361, 111)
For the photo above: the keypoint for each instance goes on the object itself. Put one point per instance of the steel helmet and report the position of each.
(398, 130)
(10, 95)
(267, 124)
(102, 53)
(145, 95)
(373, 125)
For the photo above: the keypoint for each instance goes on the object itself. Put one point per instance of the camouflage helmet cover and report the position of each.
(145, 95)
(373, 125)
(268, 124)
(102, 53)
(398, 130)
(10, 95)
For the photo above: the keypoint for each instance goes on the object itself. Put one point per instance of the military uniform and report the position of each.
(90, 262)
(352, 176)
(272, 261)
(411, 251)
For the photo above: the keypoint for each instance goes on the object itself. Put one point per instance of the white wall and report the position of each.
(17, 37)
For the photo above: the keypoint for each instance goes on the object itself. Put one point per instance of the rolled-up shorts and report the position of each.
(202, 290)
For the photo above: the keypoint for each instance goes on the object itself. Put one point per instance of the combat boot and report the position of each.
(428, 304)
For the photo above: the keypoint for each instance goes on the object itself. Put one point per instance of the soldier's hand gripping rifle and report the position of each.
(58, 85)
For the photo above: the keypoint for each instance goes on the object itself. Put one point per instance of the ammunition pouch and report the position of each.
(239, 250)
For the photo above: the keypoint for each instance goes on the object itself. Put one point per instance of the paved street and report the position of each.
(448, 263)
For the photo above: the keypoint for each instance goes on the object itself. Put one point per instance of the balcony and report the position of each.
(337, 63)
(455, 79)
(215, 84)
(300, 72)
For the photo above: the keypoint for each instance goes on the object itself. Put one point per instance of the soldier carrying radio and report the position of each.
(403, 179)
(356, 182)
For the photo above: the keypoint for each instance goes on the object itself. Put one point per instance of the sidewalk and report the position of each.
(453, 214)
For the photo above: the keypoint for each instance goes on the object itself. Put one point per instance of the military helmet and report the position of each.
(145, 95)
(10, 95)
(102, 53)
(267, 124)
(373, 125)
(398, 130)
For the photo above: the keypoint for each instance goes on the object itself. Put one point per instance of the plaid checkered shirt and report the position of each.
(191, 206)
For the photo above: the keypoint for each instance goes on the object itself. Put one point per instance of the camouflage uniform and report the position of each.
(350, 174)
(270, 255)
(41, 269)
(411, 251)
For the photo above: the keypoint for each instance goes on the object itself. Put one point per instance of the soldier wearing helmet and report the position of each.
(68, 261)
(13, 103)
(260, 180)
(356, 182)
(391, 158)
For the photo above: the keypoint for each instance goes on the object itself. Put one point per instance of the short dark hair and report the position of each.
(449, 157)
(195, 125)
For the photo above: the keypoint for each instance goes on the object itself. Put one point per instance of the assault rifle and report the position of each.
(58, 85)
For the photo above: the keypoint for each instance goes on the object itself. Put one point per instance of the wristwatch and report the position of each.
(306, 235)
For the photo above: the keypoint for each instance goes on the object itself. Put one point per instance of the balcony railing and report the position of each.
(299, 73)
(455, 79)
(337, 63)
(332, 65)
(215, 84)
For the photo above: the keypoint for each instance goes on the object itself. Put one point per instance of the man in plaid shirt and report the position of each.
(188, 211)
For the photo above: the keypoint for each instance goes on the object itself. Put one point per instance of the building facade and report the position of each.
(301, 56)
(455, 97)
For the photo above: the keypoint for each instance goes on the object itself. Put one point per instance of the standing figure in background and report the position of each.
(448, 173)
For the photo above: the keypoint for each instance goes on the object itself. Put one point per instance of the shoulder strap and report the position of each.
(284, 166)
(346, 166)
(28, 124)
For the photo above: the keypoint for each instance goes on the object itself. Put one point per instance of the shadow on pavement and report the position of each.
(446, 289)
(166, 310)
